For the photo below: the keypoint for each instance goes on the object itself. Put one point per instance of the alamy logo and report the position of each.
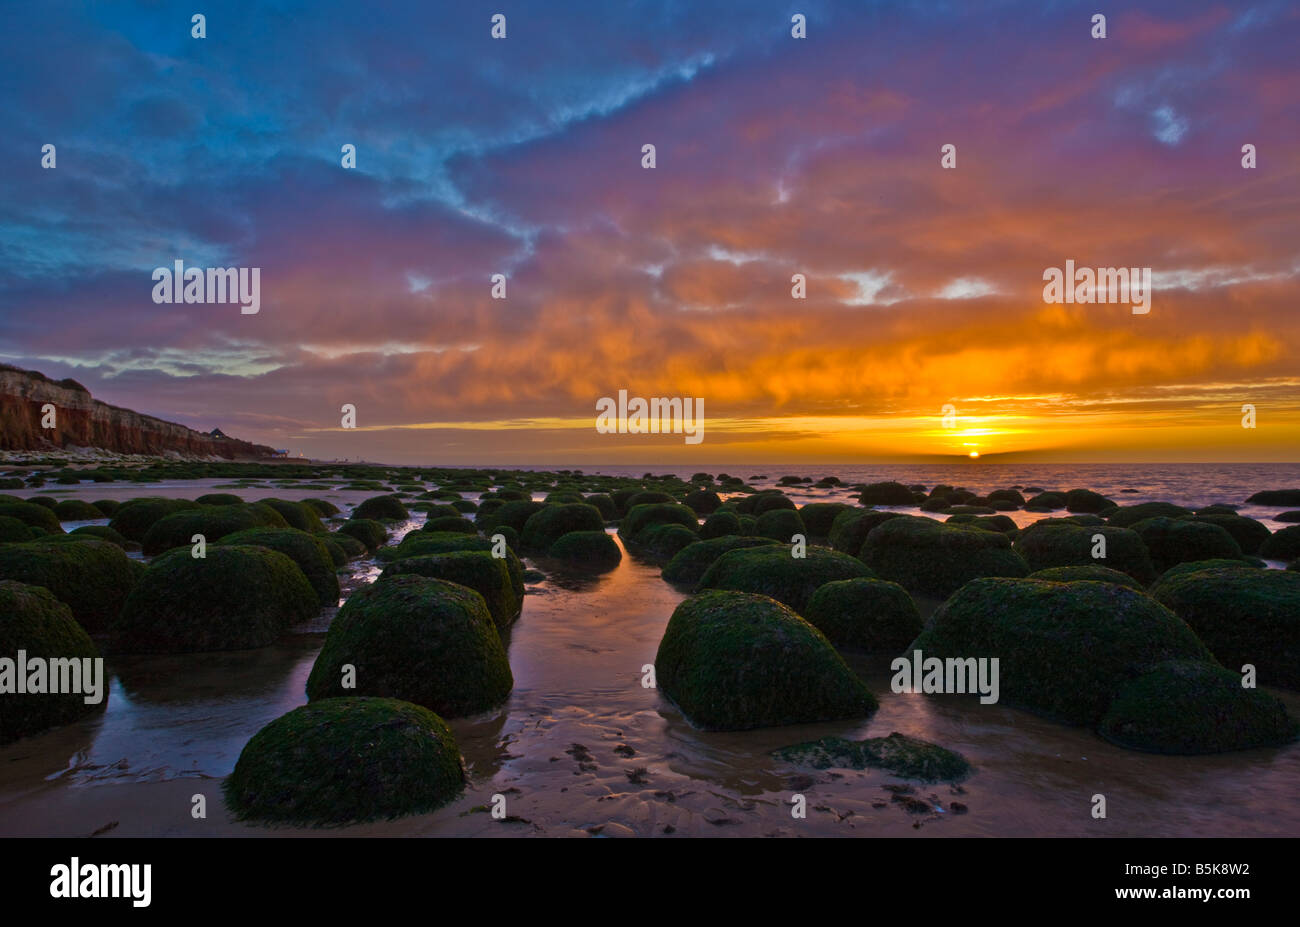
(637, 416)
(181, 284)
(105, 880)
(53, 676)
(1103, 285)
(950, 676)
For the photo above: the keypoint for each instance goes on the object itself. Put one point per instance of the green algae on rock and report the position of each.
(212, 521)
(92, 577)
(235, 598)
(720, 524)
(487, 575)
(935, 558)
(1281, 545)
(344, 761)
(1171, 541)
(733, 661)
(36, 516)
(1086, 573)
(1244, 615)
(34, 621)
(369, 532)
(905, 757)
(76, 510)
(781, 525)
(850, 528)
(640, 517)
(382, 508)
(1194, 707)
(774, 571)
(1064, 648)
(1061, 543)
(135, 517)
(867, 614)
(594, 551)
(689, 564)
(309, 551)
(423, 640)
(547, 525)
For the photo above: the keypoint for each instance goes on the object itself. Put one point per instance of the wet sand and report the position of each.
(581, 748)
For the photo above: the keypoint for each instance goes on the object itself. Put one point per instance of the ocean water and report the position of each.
(1190, 485)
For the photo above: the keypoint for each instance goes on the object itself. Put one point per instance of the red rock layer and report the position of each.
(83, 421)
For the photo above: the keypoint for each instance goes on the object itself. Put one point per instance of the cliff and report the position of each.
(83, 421)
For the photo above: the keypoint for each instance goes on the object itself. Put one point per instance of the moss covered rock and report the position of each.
(423, 545)
(1244, 615)
(1281, 545)
(781, 525)
(219, 498)
(1128, 515)
(1065, 649)
(513, 514)
(935, 558)
(887, 493)
(773, 571)
(649, 497)
(34, 621)
(1085, 500)
(134, 518)
(35, 516)
(90, 576)
(212, 521)
(1192, 707)
(348, 544)
(323, 507)
(1086, 574)
(298, 515)
(450, 523)
(1282, 498)
(487, 575)
(850, 528)
(1249, 534)
(720, 524)
(369, 532)
(1172, 541)
(1048, 501)
(703, 501)
(309, 551)
(102, 533)
(732, 661)
(867, 614)
(594, 551)
(1195, 566)
(689, 564)
(382, 508)
(640, 517)
(76, 510)
(819, 516)
(552, 522)
(906, 757)
(665, 541)
(235, 598)
(344, 761)
(423, 640)
(604, 504)
(14, 531)
(1060, 543)
(1002, 523)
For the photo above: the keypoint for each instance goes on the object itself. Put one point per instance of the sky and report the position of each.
(923, 334)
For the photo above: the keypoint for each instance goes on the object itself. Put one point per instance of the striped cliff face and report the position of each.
(29, 402)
